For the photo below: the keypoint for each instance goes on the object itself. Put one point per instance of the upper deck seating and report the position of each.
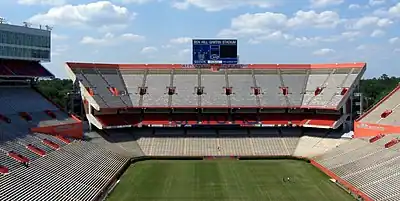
(18, 103)
(23, 69)
(386, 112)
(257, 85)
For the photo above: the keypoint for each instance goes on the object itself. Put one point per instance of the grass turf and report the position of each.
(223, 180)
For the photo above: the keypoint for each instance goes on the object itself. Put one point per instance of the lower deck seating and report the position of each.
(77, 171)
(369, 167)
(218, 142)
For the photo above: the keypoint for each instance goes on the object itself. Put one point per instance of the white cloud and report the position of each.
(395, 10)
(42, 2)
(149, 50)
(276, 26)
(377, 33)
(324, 51)
(354, 6)
(394, 40)
(368, 21)
(181, 40)
(376, 2)
(218, 5)
(110, 39)
(325, 3)
(101, 14)
(313, 19)
(260, 22)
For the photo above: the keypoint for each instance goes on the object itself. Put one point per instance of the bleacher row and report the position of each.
(14, 106)
(36, 166)
(386, 112)
(77, 171)
(369, 167)
(218, 142)
(116, 88)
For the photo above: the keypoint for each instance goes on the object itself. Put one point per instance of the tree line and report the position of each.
(373, 89)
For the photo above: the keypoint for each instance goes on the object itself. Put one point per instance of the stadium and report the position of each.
(211, 130)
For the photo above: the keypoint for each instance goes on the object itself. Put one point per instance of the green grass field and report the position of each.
(223, 180)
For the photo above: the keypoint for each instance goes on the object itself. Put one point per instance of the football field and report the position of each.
(223, 180)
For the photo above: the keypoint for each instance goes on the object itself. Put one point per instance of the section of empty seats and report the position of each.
(340, 150)
(114, 80)
(19, 148)
(26, 190)
(101, 88)
(156, 94)
(295, 81)
(15, 101)
(271, 88)
(315, 82)
(242, 86)
(54, 183)
(331, 86)
(8, 162)
(23, 68)
(134, 80)
(374, 172)
(214, 86)
(390, 103)
(187, 88)
(363, 162)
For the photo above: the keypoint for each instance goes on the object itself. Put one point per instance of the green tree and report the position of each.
(56, 89)
(375, 89)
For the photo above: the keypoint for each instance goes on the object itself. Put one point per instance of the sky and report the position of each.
(269, 31)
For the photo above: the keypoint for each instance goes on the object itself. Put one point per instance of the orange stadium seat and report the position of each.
(386, 113)
(3, 170)
(392, 143)
(18, 157)
(36, 150)
(51, 144)
(376, 138)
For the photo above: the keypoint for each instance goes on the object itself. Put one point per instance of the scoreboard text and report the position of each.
(214, 51)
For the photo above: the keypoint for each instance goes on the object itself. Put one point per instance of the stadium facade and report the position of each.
(171, 95)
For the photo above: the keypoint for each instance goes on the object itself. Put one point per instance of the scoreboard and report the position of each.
(209, 51)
